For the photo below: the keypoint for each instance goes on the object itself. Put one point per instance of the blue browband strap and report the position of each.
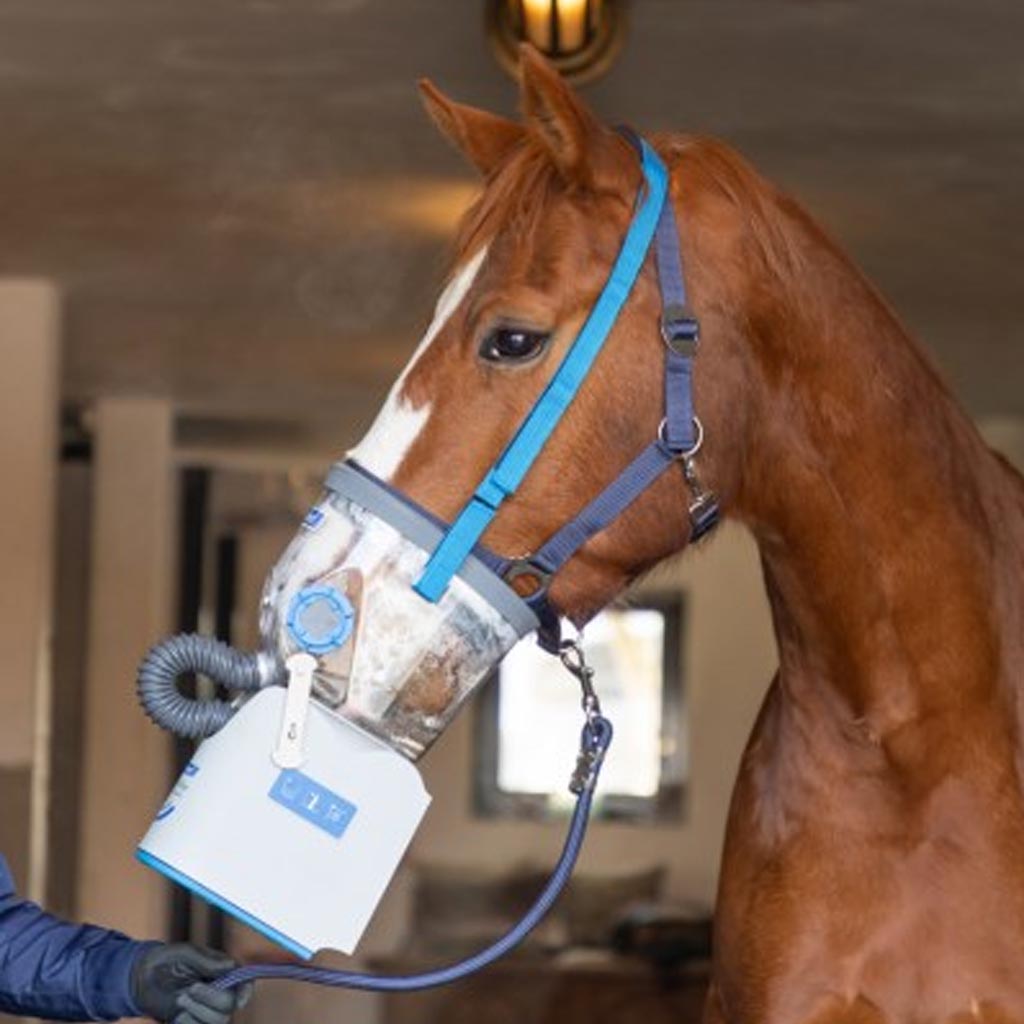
(678, 439)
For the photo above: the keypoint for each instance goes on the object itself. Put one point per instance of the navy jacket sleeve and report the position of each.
(61, 971)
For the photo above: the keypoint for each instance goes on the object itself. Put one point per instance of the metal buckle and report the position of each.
(680, 330)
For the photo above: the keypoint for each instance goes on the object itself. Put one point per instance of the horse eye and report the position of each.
(512, 345)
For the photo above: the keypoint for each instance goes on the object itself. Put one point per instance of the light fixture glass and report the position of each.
(581, 37)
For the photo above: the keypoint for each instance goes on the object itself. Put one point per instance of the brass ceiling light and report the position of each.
(580, 37)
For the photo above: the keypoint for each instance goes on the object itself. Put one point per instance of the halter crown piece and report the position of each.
(679, 437)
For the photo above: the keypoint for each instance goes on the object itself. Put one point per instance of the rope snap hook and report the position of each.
(572, 656)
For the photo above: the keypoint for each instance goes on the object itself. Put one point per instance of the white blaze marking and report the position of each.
(386, 443)
(398, 424)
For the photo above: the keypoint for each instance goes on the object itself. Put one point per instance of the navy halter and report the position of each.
(678, 440)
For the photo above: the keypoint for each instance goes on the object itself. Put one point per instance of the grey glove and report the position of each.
(169, 984)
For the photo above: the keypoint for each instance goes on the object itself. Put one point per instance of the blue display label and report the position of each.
(317, 804)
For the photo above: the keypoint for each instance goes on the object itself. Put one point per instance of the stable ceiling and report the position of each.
(247, 209)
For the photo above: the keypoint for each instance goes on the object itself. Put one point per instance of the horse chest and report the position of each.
(832, 926)
(805, 959)
(839, 903)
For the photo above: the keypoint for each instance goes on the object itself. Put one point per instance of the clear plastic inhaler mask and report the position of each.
(393, 663)
(297, 808)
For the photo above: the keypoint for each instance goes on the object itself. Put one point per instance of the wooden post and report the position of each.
(29, 404)
(127, 760)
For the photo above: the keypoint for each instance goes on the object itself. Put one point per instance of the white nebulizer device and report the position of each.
(296, 809)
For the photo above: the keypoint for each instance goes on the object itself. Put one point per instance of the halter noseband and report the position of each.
(678, 439)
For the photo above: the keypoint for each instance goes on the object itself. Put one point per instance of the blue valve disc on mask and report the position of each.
(320, 619)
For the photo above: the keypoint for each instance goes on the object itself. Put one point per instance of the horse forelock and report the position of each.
(514, 201)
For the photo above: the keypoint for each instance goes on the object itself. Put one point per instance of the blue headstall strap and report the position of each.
(505, 476)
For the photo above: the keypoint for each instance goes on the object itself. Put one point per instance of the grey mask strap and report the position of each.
(356, 484)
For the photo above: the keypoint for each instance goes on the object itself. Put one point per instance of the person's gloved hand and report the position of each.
(170, 984)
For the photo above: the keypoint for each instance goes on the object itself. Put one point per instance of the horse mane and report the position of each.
(768, 213)
(787, 242)
(516, 197)
(794, 248)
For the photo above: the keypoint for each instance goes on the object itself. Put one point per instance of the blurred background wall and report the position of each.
(222, 229)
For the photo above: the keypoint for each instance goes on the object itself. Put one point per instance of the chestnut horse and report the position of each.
(874, 863)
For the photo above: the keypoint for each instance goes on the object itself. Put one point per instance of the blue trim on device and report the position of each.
(227, 906)
(504, 477)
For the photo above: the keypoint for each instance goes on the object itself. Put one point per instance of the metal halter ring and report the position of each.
(524, 568)
(698, 429)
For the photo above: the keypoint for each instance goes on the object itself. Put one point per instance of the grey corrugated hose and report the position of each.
(188, 653)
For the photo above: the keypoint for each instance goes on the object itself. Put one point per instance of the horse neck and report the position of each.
(892, 538)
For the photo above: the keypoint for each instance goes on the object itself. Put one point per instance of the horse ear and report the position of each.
(557, 116)
(485, 139)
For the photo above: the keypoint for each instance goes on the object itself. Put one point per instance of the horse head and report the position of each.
(531, 258)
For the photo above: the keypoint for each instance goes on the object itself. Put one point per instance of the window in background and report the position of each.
(529, 720)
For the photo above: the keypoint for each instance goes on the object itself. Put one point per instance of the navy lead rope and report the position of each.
(594, 742)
